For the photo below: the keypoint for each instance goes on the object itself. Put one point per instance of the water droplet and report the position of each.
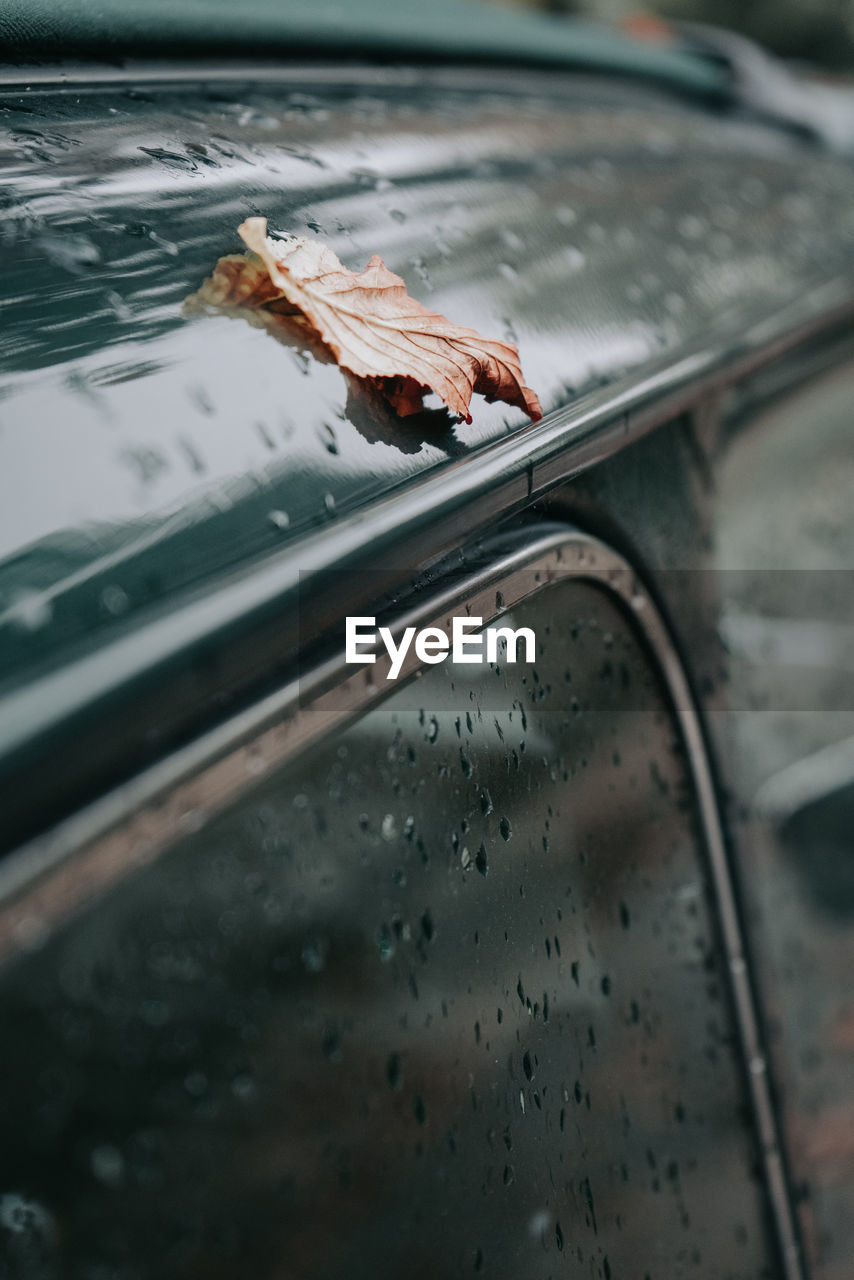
(505, 829)
(115, 600)
(331, 1044)
(244, 1087)
(420, 268)
(172, 159)
(200, 152)
(74, 254)
(385, 944)
(327, 437)
(480, 860)
(20, 1216)
(314, 955)
(120, 308)
(691, 227)
(29, 610)
(169, 245)
(196, 1084)
(573, 258)
(394, 1073)
(31, 933)
(279, 519)
(539, 1223)
(202, 401)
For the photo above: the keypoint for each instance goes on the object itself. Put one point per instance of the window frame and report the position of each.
(44, 882)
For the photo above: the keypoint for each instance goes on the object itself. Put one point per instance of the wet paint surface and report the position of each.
(143, 452)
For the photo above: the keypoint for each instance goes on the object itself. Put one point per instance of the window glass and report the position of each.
(441, 997)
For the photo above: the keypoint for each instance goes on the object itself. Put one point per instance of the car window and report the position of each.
(442, 996)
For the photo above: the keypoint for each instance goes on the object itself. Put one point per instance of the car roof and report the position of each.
(441, 30)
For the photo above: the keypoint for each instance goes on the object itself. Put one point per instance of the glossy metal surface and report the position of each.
(625, 238)
(443, 995)
(607, 228)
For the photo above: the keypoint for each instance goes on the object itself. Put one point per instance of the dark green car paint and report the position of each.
(392, 29)
(626, 240)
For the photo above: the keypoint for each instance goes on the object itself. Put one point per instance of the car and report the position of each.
(521, 959)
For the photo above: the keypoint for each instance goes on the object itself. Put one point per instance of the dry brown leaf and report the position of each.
(369, 323)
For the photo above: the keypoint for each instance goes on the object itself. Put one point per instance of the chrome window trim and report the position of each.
(44, 881)
(78, 73)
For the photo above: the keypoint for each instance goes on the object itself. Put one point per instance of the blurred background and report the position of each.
(816, 31)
